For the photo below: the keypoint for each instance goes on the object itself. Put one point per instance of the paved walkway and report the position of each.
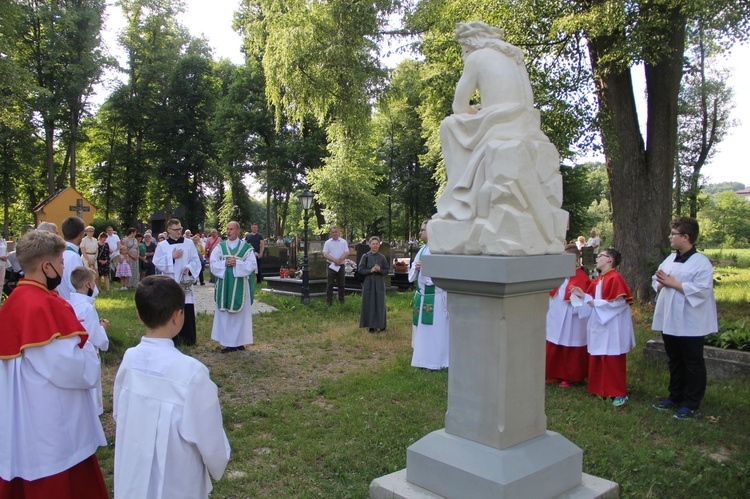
(204, 301)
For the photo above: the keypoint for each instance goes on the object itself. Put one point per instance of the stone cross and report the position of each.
(79, 208)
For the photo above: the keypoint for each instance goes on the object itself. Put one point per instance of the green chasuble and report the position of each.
(424, 300)
(229, 292)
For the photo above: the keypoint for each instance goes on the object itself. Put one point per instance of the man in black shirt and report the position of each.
(255, 239)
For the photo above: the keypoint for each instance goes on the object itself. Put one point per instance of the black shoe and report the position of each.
(241, 348)
(686, 413)
(665, 405)
(329, 303)
(228, 349)
(381, 330)
(371, 330)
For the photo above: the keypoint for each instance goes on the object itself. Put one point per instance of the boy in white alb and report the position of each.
(83, 280)
(72, 229)
(49, 430)
(685, 313)
(169, 435)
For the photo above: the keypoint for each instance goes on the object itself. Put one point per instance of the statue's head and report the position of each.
(477, 35)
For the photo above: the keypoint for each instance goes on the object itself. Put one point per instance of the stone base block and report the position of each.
(454, 467)
(395, 486)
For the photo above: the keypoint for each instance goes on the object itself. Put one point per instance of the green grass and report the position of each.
(735, 257)
(319, 408)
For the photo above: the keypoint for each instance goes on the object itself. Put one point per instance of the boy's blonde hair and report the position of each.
(36, 246)
(80, 276)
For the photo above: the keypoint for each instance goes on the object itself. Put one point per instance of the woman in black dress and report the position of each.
(102, 260)
(373, 266)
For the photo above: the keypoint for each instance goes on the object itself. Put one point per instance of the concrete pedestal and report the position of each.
(495, 443)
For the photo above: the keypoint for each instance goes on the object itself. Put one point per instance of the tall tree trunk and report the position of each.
(49, 142)
(640, 177)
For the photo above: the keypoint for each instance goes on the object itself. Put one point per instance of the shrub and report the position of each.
(733, 335)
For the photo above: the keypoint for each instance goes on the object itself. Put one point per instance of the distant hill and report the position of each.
(723, 186)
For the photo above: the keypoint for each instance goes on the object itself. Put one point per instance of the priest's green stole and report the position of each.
(426, 302)
(229, 292)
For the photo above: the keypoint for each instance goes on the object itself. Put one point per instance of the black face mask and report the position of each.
(90, 292)
(52, 282)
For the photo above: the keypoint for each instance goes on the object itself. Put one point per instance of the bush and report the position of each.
(732, 335)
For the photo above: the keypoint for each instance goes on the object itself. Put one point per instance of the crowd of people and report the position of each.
(51, 371)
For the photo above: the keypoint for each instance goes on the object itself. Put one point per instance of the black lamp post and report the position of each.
(306, 199)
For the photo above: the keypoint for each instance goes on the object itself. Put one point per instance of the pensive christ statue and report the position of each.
(504, 188)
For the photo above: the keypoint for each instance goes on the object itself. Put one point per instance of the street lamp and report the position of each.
(305, 200)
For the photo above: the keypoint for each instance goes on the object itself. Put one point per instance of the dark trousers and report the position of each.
(258, 275)
(687, 370)
(339, 279)
(187, 336)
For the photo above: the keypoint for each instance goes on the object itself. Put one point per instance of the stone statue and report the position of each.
(504, 188)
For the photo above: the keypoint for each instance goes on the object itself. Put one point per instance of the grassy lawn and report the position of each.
(319, 408)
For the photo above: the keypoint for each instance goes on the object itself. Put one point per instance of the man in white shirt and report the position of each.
(594, 242)
(178, 258)
(233, 264)
(335, 251)
(72, 229)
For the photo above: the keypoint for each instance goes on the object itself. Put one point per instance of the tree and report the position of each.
(153, 40)
(705, 103)
(397, 135)
(345, 185)
(61, 48)
(183, 144)
(320, 60)
(250, 142)
(579, 192)
(725, 220)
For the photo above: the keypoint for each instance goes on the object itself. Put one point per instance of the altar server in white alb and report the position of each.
(178, 258)
(49, 430)
(72, 229)
(169, 436)
(430, 316)
(609, 331)
(567, 358)
(233, 264)
(84, 282)
(685, 313)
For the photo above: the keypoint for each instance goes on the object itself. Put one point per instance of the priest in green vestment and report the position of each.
(233, 265)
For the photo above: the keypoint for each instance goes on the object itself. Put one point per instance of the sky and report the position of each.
(213, 19)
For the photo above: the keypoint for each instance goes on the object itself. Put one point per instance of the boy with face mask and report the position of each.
(50, 429)
(83, 280)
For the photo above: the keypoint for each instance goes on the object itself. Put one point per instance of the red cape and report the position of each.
(580, 279)
(613, 286)
(33, 316)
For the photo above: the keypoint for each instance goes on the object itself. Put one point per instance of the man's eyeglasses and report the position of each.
(178, 229)
(673, 234)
